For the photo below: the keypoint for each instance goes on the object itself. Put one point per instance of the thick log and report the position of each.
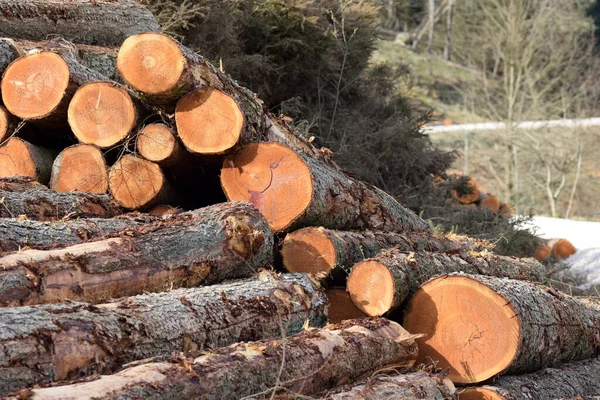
(294, 190)
(19, 157)
(19, 183)
(468, 195)
(158, 143)
(98, 22)
(578, 379)
(543, 252)
(561, 248)
(381, 284)
(315, 360)
(18, 234)
(202, 247)
(57, 342)
(37, 202)
(136, 183)
(323, 251)
(479, 327)
(80, 168)
(412, 386)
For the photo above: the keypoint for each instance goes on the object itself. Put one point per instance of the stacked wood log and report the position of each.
(163, 236)
(474, 195)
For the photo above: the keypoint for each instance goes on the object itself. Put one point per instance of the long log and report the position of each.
(37, 202)
(58, 342)
(567, 381)
(323, 251)
(411, 386)
(294, 190)
(20, 183)
(478, 326)
(19, 234)
(98, 22)
(381, 284)
(206, 246)
(19, 157)
(315, 360)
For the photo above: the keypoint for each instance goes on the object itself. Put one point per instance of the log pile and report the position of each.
(163, 236)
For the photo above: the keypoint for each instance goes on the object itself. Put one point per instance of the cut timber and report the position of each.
(158, 143)
(315, 360)
(18, 233)
(57, 342)
(324, 251)
(19, 183)
(491, 202)
(9, 52)
(562, 248)
(80, 168)
(209, 121)
(480, 326)
(468, 195)
(102, 114)
(162, 210)
(293, 190)
(39, 86)
(136, 183)
(18, 157)
(416, 385)
(103, 22)
(382, 283)
(341, 306)
(506, 210)
(8, 123)
(565, 381)
(201, 247)
(543, 252)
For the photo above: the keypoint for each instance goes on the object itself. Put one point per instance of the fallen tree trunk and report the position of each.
(315, 360)
(206, 246)
(37, 202)
(480, 326)
(58, 342)
(294, 190)
(381, 284)
(399, 387)
(323, 251)
(19, 157)
(80, 168)
(18, 234)
(565, 381)
(104, 22)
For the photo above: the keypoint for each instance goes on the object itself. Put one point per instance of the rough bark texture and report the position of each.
(565, 381)
(206, 246)
(554, 327)
(104, 22)
(16, 234)
(416, 385)
(315, 360)
(57, 342)
(18, 183)
(40, 203)
(411, 270)
(9, 52)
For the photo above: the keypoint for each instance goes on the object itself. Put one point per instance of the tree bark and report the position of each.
(17, 234)
(104, 22)
(315, 360)
(416, 385)
(58, 342)
(404, 272)
(314, 193)
(334, 253)
(479, 326)
(9, 52)
(202, 247)
(565, 381)
(37, 202)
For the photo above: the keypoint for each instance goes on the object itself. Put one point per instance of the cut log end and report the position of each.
(308, 250)
(33, 86)
(468, 328)
(491, 202)
(156, 142)
(563, 249)
(151, 63)
(17, 157)
(135, 182)
(479, 394)
(273, 178)
(209, 121)
(5, 124)
(80, 168)
(468, 198)
(543, 252)
(163, 209)
(371, 287)
(102, 114)
(341, 307)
